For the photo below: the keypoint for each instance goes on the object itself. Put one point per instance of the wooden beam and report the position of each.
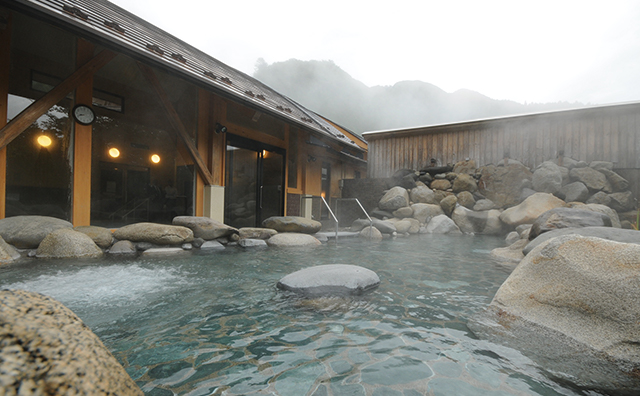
(204, 104)
(81, 209)
(174, 120)
(29, 115)
(5, 68)
(218, 141)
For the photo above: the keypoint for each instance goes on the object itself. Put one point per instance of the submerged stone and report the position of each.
(331, 279)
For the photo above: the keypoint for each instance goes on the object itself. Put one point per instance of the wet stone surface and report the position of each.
(214, 323)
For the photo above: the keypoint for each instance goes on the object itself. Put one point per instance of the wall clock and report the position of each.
(83, 114)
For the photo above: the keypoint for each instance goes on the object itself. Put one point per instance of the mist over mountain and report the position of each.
(325, 88)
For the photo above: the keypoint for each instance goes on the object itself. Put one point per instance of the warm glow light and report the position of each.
(322, 195)
(155, 158)
(114, 152)
(44, 140)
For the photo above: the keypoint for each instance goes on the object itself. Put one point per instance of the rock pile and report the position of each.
(495, 199)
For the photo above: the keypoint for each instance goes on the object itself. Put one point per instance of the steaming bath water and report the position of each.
(214, 323)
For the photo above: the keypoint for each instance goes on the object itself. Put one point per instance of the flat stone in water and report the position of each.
(331, 279)
(396, 370)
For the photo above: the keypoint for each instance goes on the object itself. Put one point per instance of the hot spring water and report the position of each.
(214, 323)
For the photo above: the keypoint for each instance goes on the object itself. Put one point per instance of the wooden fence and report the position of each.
(604, 133)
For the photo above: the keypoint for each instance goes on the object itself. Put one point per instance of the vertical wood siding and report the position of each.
(608, 133)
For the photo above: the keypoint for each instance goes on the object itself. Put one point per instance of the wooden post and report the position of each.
(5, 63)
(204, 128)
(218, 142)
(81, 203)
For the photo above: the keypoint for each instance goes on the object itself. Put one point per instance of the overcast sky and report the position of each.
(527, 51)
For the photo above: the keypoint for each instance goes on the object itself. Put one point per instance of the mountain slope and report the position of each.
(325, 88)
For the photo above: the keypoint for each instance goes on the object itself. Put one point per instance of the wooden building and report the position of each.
(107, 120)
(601, 133)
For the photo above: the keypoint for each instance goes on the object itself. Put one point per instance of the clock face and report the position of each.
(83, 114)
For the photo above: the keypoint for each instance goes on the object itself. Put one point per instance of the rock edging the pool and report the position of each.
(330, 280)
(47, 349)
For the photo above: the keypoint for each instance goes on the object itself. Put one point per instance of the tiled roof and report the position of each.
(133, 34)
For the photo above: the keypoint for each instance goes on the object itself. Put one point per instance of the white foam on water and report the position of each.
(104, 286)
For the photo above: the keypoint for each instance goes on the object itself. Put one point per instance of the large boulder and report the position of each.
(158, 234)
(503, 184)
(442, 224)
(292, 239)
(466, 199)
(7, 253)
(472, 222)
(609, 233)
(618, 183)
(622, 201)
(567, 218)
(359, 224)
(615, 220)
(67, 243)
(423, 212)
(466, 166)
(384, 226)
(441, 184)
(573, 301)
(600, 198)
(574, 192)
(594, 180)
(26, 232)
(45, 349)
(256, 233)
(423, 194)
(547, 178)
(330, 280)
(301, 225)
(204, 227)
(395, 198)
(448, 204)
(103, 237)
(511, 253)
(371, 234)
(530, 209)
(464, 182)
(403, 212)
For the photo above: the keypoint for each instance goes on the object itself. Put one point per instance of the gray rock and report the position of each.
(483, 204)
(256, 233)
(574, 192)
(567, 218)
(296, 224)
(466, 199)
(394, 199)
(187, 246)
(331, 280)
(7, 253)
(618, 183)
(442, 224)
(512, 238)
(103, 237)
(471, 222)
(163, 251)
(252, 243)
(408, 181)
(575, 299)
(423, 212)
(384, 227)
(422, 194)
(567, 162)
(371, 234)
(529, 210)
(159, 234)
(448, 204)
(594, 180)
(600, 198)
(425, 178)
(291, 239)
(511, 253)
(123, 247)
(67, 243)
(565, 175)
(526, 193)
(142, 246)
(211, 245)
(622, 201)
(26, 232)
(599, 165)
(464, 182)
(381, 214)
(467, 166)
(45, 349)
(503, 185)
(440, 184)
(359, 224)
(547, 178)
(204, 227)
(403, 212)
(609, 233)
(615, 220)
(402, 226)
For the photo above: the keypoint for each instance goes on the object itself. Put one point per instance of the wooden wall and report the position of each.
(606, 133)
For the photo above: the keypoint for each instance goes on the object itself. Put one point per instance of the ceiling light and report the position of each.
(44, 140)
(155, 158)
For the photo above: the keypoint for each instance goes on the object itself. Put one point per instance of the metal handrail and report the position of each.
(328, 207)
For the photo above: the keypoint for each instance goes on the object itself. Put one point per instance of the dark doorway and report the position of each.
(254, 180)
